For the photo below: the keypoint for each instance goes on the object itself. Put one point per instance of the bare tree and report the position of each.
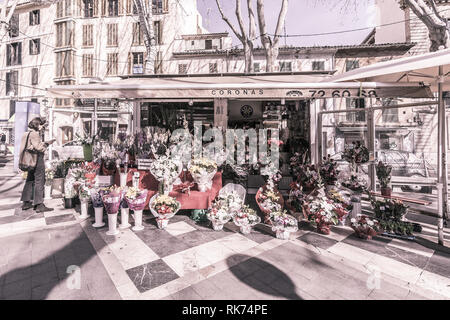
(436, 24)
(245, 37)
(145, 13)
(271, 44)
(6, 18)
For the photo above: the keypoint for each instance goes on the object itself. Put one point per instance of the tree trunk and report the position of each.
(430, 17)
(146, 25)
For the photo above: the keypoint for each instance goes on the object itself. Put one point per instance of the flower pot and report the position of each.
(283, 234)
(124, 214)
(87, 151)
(84, 210)
(69, 203)
(123, 179)
(112, 225)
(323, 228)
(98, 218)
(387, 192)
(246, 229)
(48, 192)
(217, 225)
(162, 222)
(138, 221)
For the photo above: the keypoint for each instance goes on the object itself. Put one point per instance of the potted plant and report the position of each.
(245, 219)
(365, 227)
(163, 207)
(283, 224)
(69, 193)
(202, 171)
(166, 171)
(384, 178)
(87, 143)
(111, 200)
(328, 172)
(355, 154)
(97, 203)
(136, 199)
(218, 217)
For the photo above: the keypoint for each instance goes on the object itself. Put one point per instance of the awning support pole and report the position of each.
(371, 145)
(442, 160)
(50, 132)
(94, 117)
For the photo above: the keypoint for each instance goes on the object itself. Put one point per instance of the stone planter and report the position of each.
(138, 221)
(48, 192)
(124, 215)
(84, 206)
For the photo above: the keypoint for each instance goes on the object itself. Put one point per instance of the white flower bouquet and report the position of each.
(203, 171)
(163, 207)
(283, 224)
(166, 171)
(246, 218)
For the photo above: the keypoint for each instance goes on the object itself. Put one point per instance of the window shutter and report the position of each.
(166, 6)
(104, 7)
(130, 62)
(120, 7)
(8, 54)
(30, 47)
(19, 53)
(38, 43)
(34, 76)
(31, 18)
(95, 4)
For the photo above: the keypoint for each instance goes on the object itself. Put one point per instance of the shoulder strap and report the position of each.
(26, 143)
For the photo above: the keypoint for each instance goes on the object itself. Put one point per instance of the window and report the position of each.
(112, 34)
(64, 64)
(12, 83)
(88, 40)
(157, 29)
(137, 63)
(355, 103)
(318, 65)
(64, 34)
(88, 65)
(160, 6)
(14, 54)
(182, 68)
(113, 8)
(35, 46)
(208, 44)
(34, 17)
(111, 68)
(131, 7)
(256, 67)
(389, 115)
(138, 36)
(63, 8)
(285, 66)
(14, 25)
(66, 101)
(88, 11)
(34, 76)
(213, 67)
(351, 64)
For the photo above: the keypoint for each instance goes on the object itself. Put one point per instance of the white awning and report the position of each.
(419, 68)
(237, 87)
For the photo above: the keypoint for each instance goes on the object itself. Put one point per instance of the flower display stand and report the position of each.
(124, 215)
(84, 206)
(123, 179)
(98, 218)
(112, 224)
(138, 221)
(48, 192)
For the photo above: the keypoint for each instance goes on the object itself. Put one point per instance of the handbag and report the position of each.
(28, 158)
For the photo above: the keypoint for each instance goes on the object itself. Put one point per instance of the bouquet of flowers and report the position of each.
(229, 201)
(90, 171)
(296, 163)
(111, 199)
(309, 177)
(323, 212)
(269, 199)
(246, 218)
(97, 197)
(69, 188)
(218, 216)
(328, 171)
(356, 153)
(84, 193)
(136, 198)
(203, 171)
(166, 171)
(165, 205)
(296, 197)
(365, 227)
(281, 220)
(383, 174)
(356, 182)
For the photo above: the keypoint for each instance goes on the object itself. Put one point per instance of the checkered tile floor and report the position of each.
(153, 257)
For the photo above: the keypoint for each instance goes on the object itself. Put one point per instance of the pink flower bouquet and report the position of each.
(136, 198)
(111, 200)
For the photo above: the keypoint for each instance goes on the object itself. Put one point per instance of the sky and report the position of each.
(304, 17)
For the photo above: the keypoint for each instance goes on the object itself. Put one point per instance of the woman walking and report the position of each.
(34, 185)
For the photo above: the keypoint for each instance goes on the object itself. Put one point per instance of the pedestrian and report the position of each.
(3, 143)
(33, 191)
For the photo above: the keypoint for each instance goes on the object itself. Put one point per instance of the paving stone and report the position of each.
(151, 275)
(46, 266)
(17, 274)
(317, 240)
(186, 294)
(376, 245)
(43, 291)
(44, 278)
(15, 288)
(59, 219)
(259, 236)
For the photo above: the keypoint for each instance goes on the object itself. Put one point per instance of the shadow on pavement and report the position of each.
(36, 281)
(263, 276)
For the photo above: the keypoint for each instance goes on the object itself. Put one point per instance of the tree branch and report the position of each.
(251, 21)
(240, 21)
(280, 22)
(224, 18)
(265, 39)
(435, 10)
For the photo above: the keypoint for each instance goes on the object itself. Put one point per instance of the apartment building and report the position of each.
(79, 42)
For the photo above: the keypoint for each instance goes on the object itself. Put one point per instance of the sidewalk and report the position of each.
(40, 257)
